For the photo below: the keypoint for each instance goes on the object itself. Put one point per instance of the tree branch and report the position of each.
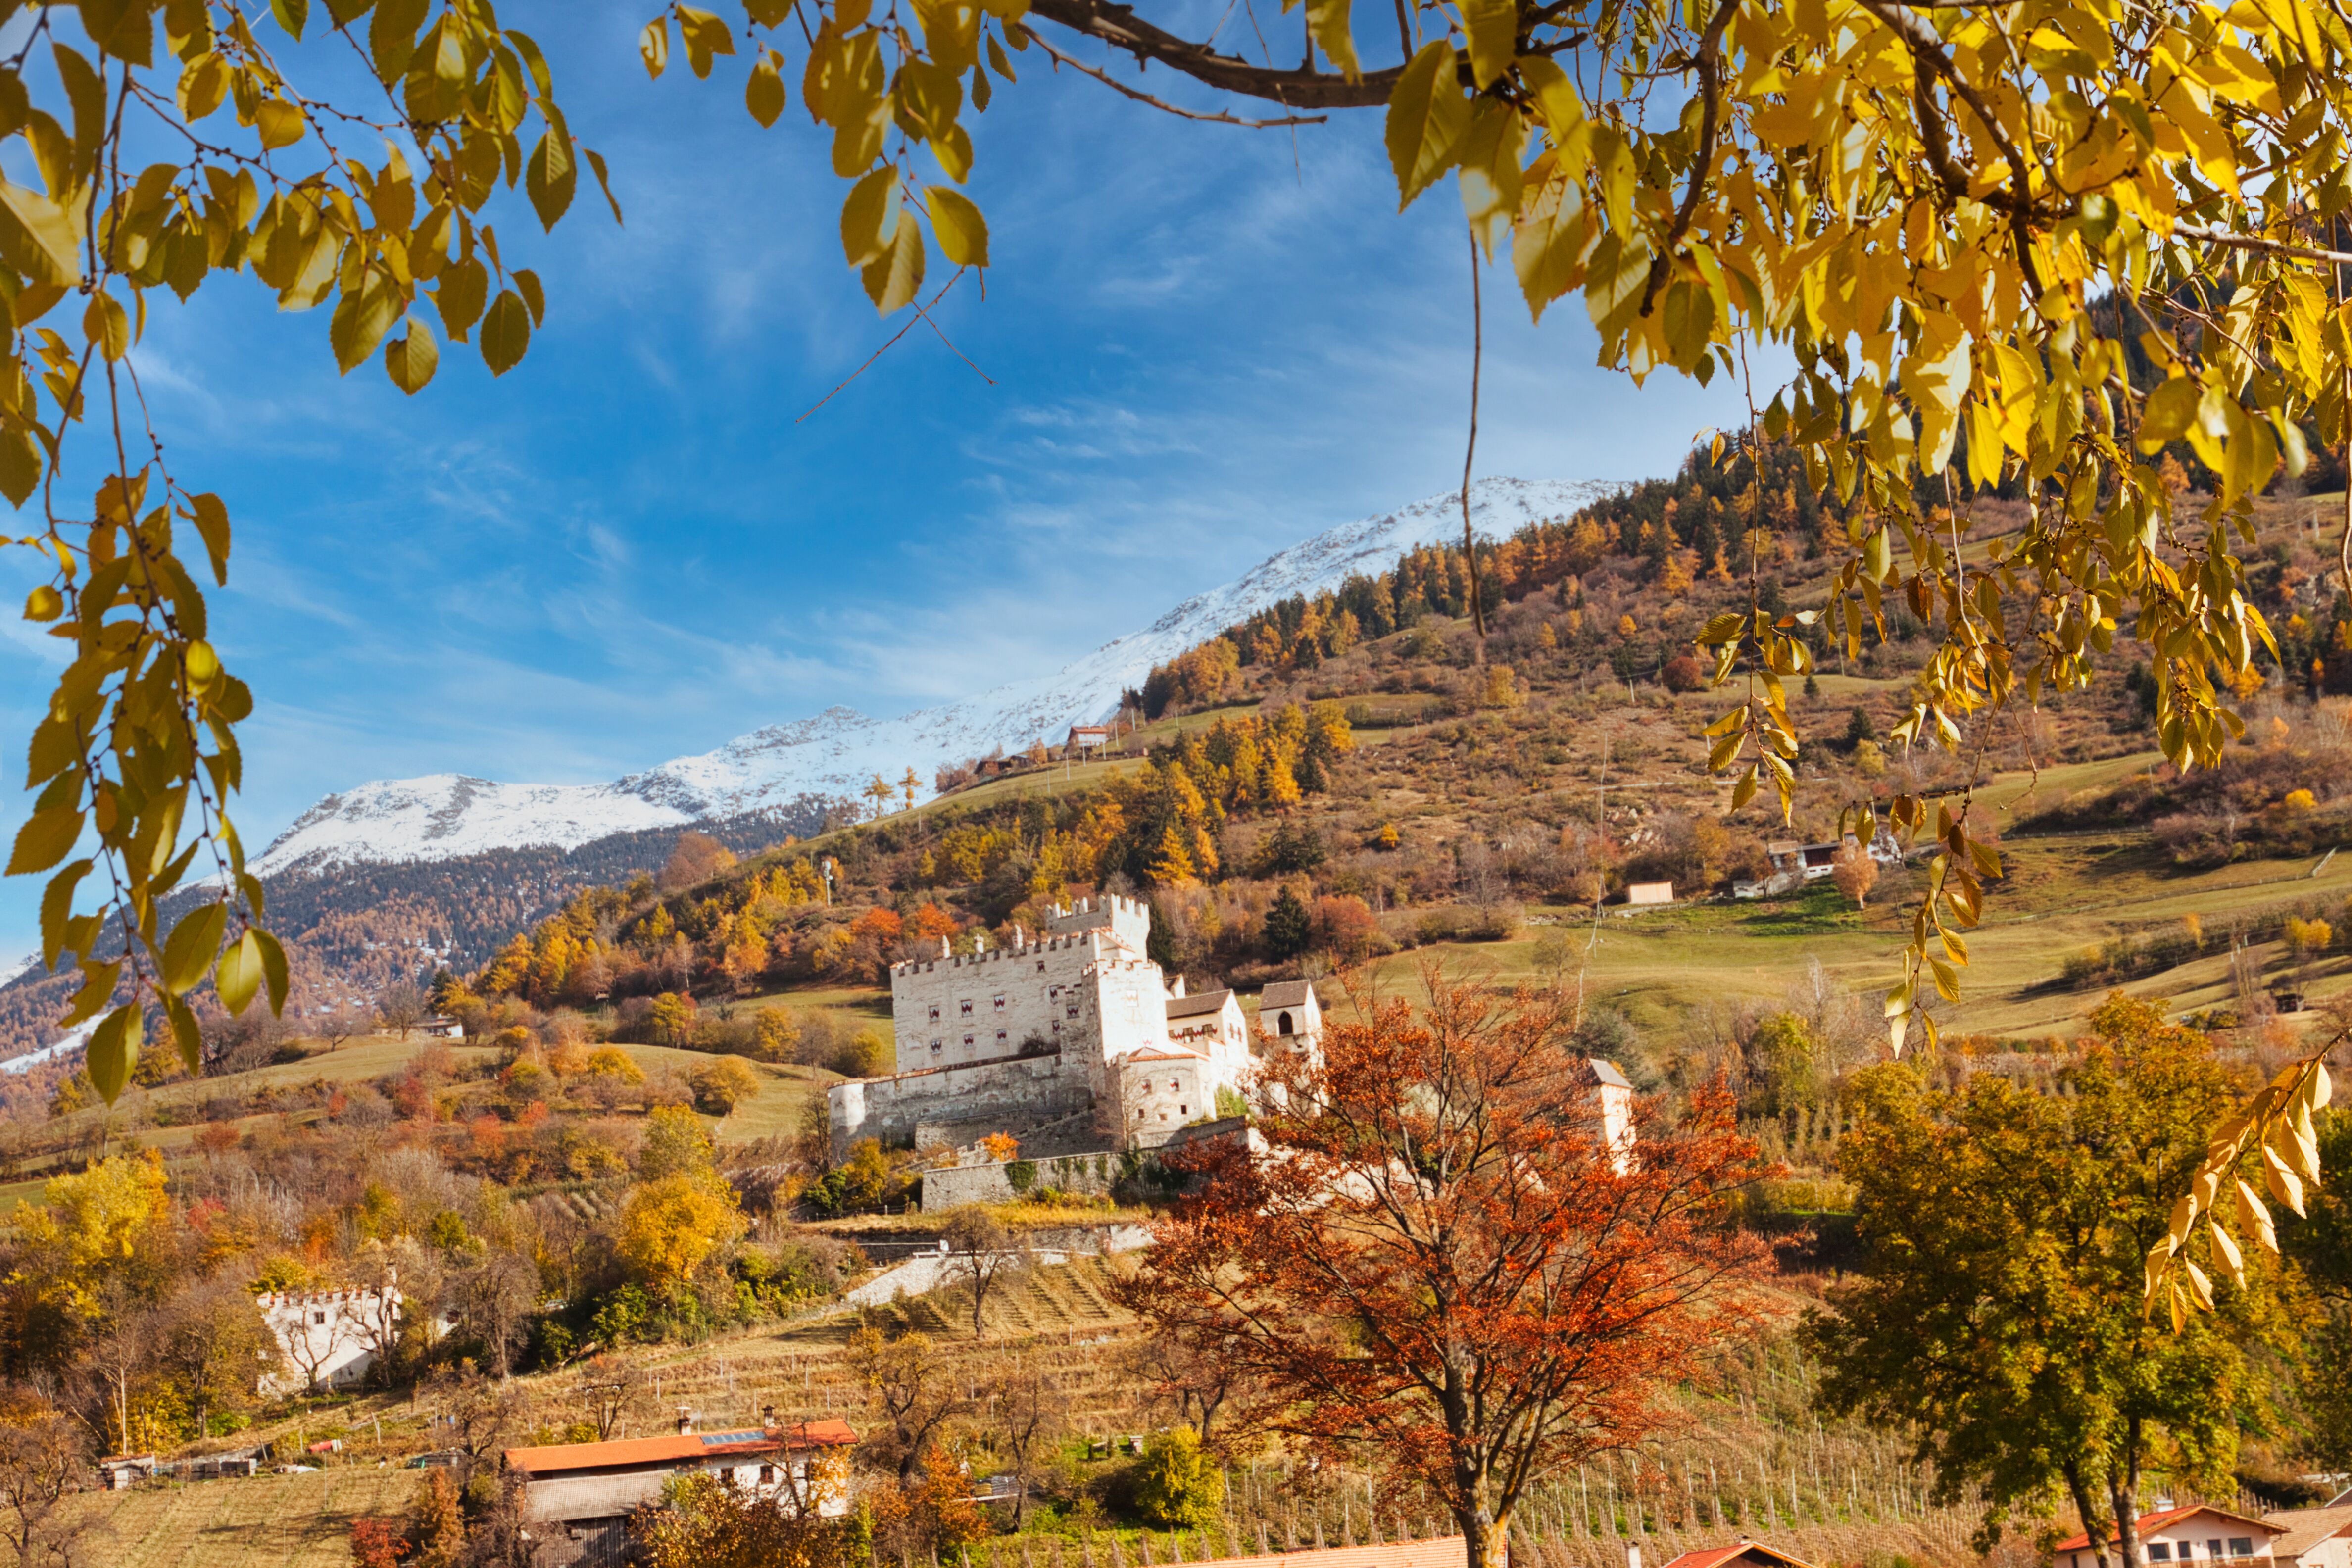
(1120, 27)
(1220, 118)
(1710, 88)
(2256, 242)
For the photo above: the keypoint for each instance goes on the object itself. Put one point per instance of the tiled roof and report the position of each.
(2165, 1518)
(1606, 1072)
(1149, 1055)
(1199, 1002)
(1284, 993)
(1445, 1551)
(2307, 1528)
(629, 1452)
(1754, 1552)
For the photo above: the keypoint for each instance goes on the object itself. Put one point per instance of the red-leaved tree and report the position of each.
(1438, 1262)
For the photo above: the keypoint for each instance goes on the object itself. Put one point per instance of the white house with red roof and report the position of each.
(577, 1497)
(2194, 1533)
(1740, 1553)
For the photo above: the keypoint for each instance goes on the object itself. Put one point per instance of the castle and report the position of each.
(1073, 1038)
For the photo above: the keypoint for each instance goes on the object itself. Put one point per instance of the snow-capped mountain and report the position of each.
(836, 754)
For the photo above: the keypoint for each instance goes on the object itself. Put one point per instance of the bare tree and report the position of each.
(312, 1330)
(612, 1389)
(984, 1255)
(495, 1298)
(917, 1393)
(407, 1281)
(1197, 1385)
(119, 1351)
(344, 1022)
(481, 1412)
(41, 1460)
(1029, 1417)
(399, 1006)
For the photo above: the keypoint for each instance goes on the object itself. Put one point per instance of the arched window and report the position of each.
(1282, 1023)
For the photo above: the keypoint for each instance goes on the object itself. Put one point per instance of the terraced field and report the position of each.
(265, 1522)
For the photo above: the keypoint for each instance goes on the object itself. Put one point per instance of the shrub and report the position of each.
(1684, 672)
(722, 1084)
(2304, 938)
(1176, 1485)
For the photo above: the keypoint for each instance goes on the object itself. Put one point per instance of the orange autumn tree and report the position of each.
(1439, 1263)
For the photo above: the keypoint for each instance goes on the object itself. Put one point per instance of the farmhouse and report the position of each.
(577, 1497)
(331, 1338)
(1077, 1031)
(2192, 1534)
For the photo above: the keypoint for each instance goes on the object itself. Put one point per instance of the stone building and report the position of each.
(1075, 1035)
(330, 1337)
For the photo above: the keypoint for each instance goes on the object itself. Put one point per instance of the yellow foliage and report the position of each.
(93, 1227)
(670, 1227)
(612, 1061)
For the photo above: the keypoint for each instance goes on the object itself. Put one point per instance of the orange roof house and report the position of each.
(577, 1497)
(1740, 1553)
(2193, 1533)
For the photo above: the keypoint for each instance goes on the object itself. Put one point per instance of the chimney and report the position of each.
(686, 1427)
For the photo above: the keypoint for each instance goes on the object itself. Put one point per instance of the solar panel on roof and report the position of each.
(712, 1439)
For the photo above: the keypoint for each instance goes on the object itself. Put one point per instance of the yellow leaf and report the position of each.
(866, 216)
(1327, 21)
(410, 360)
(894, 278)
(763, 94)
(1427, 117)
(1547, 236)
(1491, 173)
(963, 232)
(1493, 27)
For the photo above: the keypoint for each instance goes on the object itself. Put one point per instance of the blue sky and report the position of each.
(1205, 343)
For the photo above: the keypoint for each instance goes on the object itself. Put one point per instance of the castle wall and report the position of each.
(1001, 1182)
(1020, 1092)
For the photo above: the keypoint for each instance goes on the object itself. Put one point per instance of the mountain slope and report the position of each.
(789, 771)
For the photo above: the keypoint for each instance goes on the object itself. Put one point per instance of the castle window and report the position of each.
(1072, 1009)
(1057, 1025)
(967, 1042)
(317, 1317)
(1041, 966)
(967, 1006)
(934, 1047)
(1173, 1086)
(1000, 1036)
(999, 1003)
(1139, 1114)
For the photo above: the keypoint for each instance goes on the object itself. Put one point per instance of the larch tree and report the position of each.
(1443, 1265)
(1963, 222)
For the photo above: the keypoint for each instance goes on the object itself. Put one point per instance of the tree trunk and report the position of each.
(2095, 1529)
(2125, 1491)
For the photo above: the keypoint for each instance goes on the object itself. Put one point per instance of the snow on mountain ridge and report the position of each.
(836, 753)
